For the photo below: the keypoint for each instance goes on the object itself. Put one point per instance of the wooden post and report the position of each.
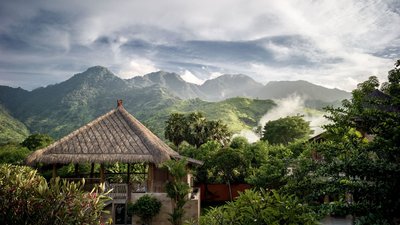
(129, 183)
(150, 178)
(91, 170)
(102, 178)
(54, 170)
(76, 170)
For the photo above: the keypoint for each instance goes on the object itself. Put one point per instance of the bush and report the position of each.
(146, 207)
(261, 207)
(27, 198)
(13, 153)
(37, 141)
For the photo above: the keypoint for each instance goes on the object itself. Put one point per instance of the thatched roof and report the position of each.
(114, 137)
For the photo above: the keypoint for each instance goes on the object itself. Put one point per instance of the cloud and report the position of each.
(214, 75)
(191, 78)
(326, 42)
(137, 67)
(291, 106)
(250, 135)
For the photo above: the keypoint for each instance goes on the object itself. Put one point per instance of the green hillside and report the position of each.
(238, 113)
(11, 130)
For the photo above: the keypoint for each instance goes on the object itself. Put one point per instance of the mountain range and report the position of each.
(58, 109)
(233, 85)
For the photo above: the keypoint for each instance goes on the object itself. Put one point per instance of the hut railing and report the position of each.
(118, 191)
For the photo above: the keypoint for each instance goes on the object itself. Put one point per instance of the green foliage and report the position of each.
(146, 207)
(195, 129)
(259, 163)
(205, 153)
(261, 207)
(285, 130)
(239, 142)
(358, 163)
(175, 128)
(272, 171)
(26, 198)
(37, 141)
(222, 165)
(13, 153)
(177, 189)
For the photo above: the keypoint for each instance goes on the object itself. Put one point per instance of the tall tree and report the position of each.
(196, 133)
(195, 129)
(223, 166)
(175, 128)
(285, 130)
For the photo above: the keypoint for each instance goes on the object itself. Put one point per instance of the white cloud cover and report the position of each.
(333, 43)
(137, 67)
(191, 78)
(291, 106)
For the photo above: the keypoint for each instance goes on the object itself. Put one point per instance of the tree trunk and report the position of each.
(230, 190)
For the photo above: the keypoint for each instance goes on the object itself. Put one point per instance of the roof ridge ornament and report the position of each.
(119, 103)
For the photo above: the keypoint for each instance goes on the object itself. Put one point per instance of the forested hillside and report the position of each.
(61, 108)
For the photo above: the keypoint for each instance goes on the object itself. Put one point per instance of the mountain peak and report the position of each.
(98, 70)
(161, 74)
(233, 77)
(96, 73)
(229, 85)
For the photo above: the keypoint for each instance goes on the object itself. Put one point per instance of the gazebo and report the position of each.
(114, 137)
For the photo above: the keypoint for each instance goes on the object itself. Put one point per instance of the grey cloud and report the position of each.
(264, 39)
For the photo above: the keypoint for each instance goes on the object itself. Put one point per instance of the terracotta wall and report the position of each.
(220, 192)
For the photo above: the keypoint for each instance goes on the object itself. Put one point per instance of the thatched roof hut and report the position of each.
(114, 137)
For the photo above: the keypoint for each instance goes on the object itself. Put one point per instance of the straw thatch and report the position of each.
(114, 137)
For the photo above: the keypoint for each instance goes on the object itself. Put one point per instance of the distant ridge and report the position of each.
(310, 91)
(237, 85)
(171, 81)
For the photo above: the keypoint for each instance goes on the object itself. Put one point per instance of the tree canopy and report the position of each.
(195, 129)
(285, 130)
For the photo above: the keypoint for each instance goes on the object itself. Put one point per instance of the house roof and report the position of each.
(114, 137)
(380, 101)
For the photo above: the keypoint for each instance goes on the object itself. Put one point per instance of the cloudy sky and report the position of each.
(332, 43)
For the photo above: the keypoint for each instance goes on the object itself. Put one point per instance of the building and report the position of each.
(118, 137)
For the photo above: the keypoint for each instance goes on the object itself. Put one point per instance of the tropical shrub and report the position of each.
(146, 207)
(261, 207)
(27, 198)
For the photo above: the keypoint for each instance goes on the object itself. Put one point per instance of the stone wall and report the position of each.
(192, 208)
